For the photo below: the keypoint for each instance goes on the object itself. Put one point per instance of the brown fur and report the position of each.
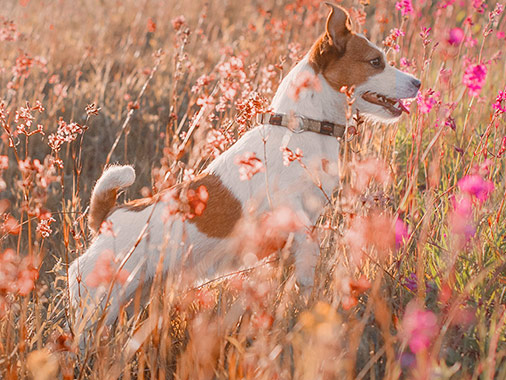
(100, 206)
(222, 211)
(342, 56)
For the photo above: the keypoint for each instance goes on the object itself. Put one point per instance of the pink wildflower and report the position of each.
(290, 156)
(474, 78)
(205, 100)
(401, 233)
(178, 22)
(500, 102)
(391, 40)
(249, 165)
(370, 169)
(477, 186)
(4, 162)
(197, 200)
(405, 6)
(151, 26)
(374, 230)
(282, 219)
(44, 226)
(105, 271)
(17, 274)
(8, 30)
(305, 81)
(479, 5)
(461, 218)
(419, 327)
(427, 99)
(456, 36)
(65, 133)
(502, 149)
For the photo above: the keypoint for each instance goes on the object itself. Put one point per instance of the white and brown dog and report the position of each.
(141, 234)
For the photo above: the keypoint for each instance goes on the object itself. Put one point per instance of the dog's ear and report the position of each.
(338, 26)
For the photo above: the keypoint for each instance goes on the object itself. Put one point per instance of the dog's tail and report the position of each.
(103, 197)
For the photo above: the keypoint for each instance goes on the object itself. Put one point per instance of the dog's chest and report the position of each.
(299, 170)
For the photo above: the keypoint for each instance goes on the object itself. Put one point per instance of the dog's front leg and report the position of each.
(307, 251)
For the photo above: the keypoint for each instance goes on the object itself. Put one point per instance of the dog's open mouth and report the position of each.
(392, 105)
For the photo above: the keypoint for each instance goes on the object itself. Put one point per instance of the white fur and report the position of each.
(290, 186)
(115, 177)
(390, 82)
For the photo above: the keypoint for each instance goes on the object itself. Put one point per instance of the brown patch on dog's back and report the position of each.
(222, 212)
(223, 209)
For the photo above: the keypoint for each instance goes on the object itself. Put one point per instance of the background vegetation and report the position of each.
(412, 277)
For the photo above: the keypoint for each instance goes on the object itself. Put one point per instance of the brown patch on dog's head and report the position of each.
(343, 57)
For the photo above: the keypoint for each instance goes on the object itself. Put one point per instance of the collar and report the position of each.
(302, 124)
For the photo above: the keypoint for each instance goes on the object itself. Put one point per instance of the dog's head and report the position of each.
(346, 58)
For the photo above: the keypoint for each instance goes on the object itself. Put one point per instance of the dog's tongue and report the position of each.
(403, 107)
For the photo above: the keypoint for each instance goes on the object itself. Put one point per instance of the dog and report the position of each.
(140, 236)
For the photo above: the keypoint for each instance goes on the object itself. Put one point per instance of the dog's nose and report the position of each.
(416, 83)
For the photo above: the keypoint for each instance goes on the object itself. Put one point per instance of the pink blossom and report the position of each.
(178, 22)
(474, 78)
(44, 226)
(470, 42)
(370, 169)
(282, 219)
(305, 81)
(456, 36)
(205, 100)
(419, 327)
(290, 156)
(477, 186)
(401, 233)
(197, 201)
(405, 6)
(492, 16)
(427, 99)
(249, 165)
(479, 5)
(500, 102)
(461, 218)
(65, 133)
(391, 40)
(105, 271)
(4, 162)
(8, 30)
(502, 149)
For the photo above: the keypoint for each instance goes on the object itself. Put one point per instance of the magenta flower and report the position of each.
(461, 219)
(456, 36)
(475, 185)
(401, 233)
(405, 6)
(427, 99)
(500, 102)
(479, 5)
(474, 78)
(419, 327)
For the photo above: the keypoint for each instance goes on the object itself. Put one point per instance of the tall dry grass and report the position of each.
(173, 85)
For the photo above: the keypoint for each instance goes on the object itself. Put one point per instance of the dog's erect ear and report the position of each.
(338, 26)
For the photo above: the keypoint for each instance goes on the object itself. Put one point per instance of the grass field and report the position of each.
(411, 282)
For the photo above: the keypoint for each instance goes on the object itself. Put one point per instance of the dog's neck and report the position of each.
(323, 104)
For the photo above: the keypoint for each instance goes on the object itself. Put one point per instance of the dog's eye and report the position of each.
(376, 62)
